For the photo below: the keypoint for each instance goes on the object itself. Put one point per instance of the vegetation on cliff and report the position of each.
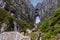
(50, 26)
(6, 17)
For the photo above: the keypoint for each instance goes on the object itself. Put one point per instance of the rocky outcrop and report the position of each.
(13, 36)
(58, 36)
(23, 10)
(45, 8)
(24, 7)
(2, 4)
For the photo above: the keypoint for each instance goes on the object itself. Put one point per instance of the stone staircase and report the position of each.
(13, 36)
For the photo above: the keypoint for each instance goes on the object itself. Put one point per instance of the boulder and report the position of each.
(13, 36)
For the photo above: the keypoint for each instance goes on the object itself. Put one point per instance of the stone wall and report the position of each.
(13, 36)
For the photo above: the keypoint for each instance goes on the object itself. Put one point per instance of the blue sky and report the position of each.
(37, 20)
(34, 2)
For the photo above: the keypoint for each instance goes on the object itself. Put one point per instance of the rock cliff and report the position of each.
(45, 8)
(23, 10)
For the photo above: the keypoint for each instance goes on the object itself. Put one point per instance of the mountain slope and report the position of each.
(50, 27)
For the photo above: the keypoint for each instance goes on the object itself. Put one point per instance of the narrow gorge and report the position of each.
(22, 20)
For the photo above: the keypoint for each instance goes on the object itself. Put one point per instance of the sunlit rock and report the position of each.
(13, 36)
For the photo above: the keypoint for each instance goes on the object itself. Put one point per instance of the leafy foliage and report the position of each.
(24, 25)
(5, 16)
(51, 26)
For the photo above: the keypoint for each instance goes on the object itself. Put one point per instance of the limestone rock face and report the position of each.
(20, 7)
(42, 9)
(45, 8)
(24, 10)
(2, 4)
(13, 36)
